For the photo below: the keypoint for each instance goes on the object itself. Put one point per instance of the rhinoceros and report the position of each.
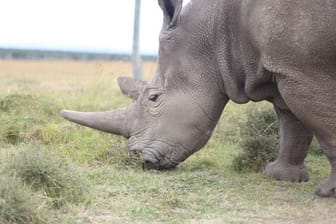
(210, 52)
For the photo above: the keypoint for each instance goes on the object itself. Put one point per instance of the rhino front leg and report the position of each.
(294, 143)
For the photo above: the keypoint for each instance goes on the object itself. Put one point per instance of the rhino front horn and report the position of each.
(113, 122)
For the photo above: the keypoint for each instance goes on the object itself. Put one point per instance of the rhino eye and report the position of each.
(154, 97)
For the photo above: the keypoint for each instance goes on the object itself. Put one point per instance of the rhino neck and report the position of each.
(227, 49)
(195, 69)
(206, 86)
(220, 20)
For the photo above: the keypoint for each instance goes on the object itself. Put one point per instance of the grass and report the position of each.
(203, 189)
(18, 204)
(53, 175)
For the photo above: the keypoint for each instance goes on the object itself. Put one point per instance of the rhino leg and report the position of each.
(294, 143)
(328, 146)
(312, 98)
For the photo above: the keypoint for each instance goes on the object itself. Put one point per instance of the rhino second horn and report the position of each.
(113, 122)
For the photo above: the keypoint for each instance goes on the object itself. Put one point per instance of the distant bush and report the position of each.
(43, 171)
(259, 142)
(18, 205)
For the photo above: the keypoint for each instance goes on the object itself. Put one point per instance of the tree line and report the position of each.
(32, 54)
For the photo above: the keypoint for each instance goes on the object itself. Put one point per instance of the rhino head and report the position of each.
(174, 114)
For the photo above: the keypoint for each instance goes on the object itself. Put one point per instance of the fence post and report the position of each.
(136, 57)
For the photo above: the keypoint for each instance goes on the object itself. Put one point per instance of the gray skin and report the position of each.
(282, 51)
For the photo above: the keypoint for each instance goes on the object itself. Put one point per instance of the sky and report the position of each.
(78, 25)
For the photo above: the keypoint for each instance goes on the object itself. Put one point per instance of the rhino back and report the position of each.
(292, 34)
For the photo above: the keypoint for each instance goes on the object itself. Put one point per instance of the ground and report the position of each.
(203, 189)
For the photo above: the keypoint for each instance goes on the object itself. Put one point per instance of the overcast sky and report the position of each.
(85, 25)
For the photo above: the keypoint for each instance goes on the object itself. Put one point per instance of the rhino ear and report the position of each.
(130, 87)
(171, 11)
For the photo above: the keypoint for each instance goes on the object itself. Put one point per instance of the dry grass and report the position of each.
(59, 76)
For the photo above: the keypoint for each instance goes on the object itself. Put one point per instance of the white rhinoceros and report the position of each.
(282, 51)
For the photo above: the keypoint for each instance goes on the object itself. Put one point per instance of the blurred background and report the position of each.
(79, 29)
(103, 26)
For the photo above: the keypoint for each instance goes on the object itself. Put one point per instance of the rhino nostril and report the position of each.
(148, 158)
(134, 153)
(149, 165)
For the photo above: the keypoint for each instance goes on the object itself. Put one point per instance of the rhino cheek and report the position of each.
(182, 153)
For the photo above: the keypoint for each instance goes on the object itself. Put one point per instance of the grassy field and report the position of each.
(203, 189)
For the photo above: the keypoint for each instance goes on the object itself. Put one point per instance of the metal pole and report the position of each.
(136, 57)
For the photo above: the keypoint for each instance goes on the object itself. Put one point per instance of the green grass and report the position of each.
(203, 189)
(18, 204)
(54, 176)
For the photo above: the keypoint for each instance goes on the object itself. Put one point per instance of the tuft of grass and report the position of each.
(22, 114)
(117, 155)
(11, 131)
(18, 205)
(16, 103)
(55, 176)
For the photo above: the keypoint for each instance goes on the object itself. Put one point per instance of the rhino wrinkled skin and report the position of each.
(282, 51)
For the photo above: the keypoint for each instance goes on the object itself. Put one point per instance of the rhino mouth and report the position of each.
(152, 158)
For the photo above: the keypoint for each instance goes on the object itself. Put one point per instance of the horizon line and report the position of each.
(75, 50)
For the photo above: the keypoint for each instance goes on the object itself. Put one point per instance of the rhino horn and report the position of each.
(109, 121)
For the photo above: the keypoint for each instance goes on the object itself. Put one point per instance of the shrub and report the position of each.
(259, 142)
(58, 180)
(18, 205)
(314, 148)
(256, 152)
(260, 122)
